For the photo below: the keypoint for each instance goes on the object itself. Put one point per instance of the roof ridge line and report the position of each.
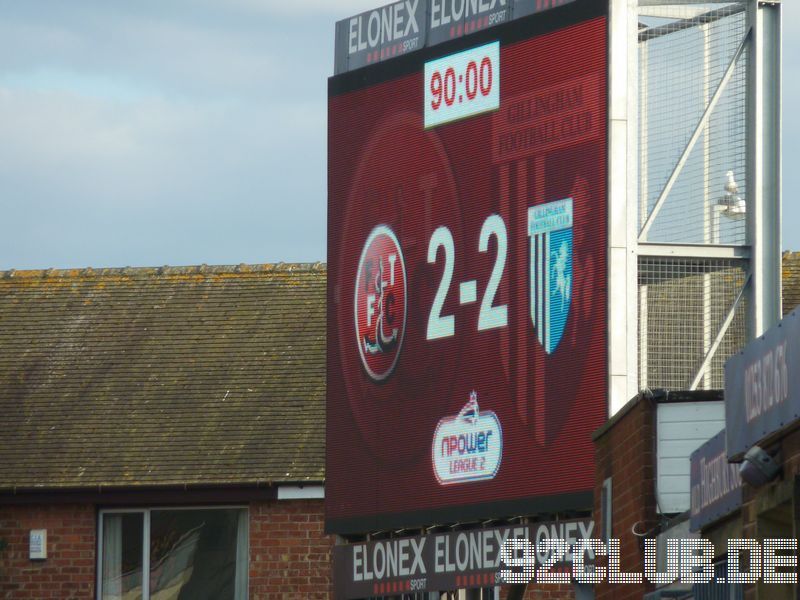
(164, 270)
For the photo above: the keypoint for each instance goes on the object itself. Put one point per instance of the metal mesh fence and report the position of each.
(682, 306)
(684, 54)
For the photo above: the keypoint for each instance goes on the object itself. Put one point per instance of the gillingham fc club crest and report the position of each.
(380, 303)
(550, 232)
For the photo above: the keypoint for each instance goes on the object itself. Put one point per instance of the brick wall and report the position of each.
(790, 458)
(790, 454)
(69, 571)
(625, 452)
(289, 554)
(290, 557)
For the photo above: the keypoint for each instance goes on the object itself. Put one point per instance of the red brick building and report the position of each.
(624, 453)
(628, 452)
(627, 485)
(164, 430)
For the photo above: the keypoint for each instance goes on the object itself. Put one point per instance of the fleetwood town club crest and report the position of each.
(380, 303)
(550, 232)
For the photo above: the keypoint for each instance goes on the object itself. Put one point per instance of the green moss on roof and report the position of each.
(162, 376)
(791, 281)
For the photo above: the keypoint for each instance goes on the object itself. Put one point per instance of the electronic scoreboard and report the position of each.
(467, 264)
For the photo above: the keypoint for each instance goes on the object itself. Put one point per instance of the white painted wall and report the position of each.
(301, 492)
(681, 427)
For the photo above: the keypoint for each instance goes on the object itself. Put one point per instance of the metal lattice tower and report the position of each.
(695, 101)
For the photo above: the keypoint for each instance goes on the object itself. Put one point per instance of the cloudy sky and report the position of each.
(190, 131)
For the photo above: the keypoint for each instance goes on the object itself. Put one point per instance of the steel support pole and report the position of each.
(623, 158)
(764, 164)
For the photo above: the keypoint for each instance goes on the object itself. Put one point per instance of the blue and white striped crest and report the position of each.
(550, 233)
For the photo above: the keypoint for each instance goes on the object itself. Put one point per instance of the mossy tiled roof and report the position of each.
(170, 376)
(791, 281)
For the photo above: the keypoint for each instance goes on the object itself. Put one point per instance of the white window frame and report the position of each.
(146, 539)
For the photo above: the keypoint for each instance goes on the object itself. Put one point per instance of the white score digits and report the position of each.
(550, 276)
(490, 316)
(462, 85)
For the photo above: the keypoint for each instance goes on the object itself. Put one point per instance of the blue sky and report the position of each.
(190, 131)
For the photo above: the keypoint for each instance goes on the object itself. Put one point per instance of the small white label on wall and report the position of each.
(38, 544)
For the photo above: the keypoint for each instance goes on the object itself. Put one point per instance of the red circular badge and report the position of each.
(380, 303)
(402, 183)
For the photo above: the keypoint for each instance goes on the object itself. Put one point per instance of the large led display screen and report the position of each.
(467, 306)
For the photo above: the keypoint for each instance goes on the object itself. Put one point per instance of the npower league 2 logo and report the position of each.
(468, 446)
(380, 303)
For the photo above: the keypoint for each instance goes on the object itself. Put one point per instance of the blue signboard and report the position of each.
(762, 390)
(715, 483)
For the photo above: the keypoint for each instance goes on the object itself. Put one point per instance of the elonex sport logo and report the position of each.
(380, 303)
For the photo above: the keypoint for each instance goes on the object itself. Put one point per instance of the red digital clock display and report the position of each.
(467, 308)
(462, 85)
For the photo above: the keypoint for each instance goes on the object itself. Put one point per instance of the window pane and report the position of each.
(122, 556)
(193, 554)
